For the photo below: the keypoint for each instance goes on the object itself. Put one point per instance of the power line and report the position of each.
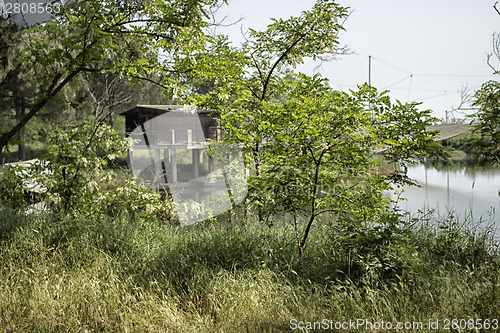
(435, 96)
(431, 74)
(391, 65)
(435, 63)
(457, 75)
(350, 64)
(393, 84)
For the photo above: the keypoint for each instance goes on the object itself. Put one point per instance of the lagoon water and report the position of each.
(472, 192)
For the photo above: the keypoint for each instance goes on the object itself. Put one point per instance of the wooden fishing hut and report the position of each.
(167, 129)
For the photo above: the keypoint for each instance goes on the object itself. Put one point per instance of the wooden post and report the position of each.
(166, 156)
(210, 163)
(173, 163)
(131, 158)
(196, 162)
(166, 161)
(158, 169)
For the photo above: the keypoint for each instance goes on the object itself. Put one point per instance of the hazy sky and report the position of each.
(442, 43)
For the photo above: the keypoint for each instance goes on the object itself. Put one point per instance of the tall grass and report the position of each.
(116, 276)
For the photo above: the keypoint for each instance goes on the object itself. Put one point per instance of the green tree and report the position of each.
(15, 92)
(310, 149)
(75, 168)
(243, 81)
(486, 123)
(319, 154)
(117, 36)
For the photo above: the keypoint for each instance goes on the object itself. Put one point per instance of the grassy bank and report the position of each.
(111, 275)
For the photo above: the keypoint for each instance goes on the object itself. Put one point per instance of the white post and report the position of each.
(158, 169)
(196, 162)
(166, 156)
(173, 164)
(166, 163)
(190, 137)
(131, 158)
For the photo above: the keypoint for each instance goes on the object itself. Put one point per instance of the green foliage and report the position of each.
(78, 177)
(459, 242)
(486, 123)
(246, 76)
(312, 151)
(313, 34)
(463, 142)
(12, 190)
(380, 254)
(77, 165)
(315, 155)
(309, 148)
(135, 200)
(102, 274)
(120, 37)
(400, 127)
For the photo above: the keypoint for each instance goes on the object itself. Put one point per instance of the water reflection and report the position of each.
(469, 191)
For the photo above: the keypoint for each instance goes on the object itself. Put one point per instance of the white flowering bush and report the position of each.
(137, 201)
(12, 190)
(80, 181)
(77, 161)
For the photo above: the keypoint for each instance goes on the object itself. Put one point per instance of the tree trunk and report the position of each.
(19, 105)
(112, 117)
(302, 244)
(54, 88)
(112, 110)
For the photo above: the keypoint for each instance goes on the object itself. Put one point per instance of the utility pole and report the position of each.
(370, 71)
(370, 82)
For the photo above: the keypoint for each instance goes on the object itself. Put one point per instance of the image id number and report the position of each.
(471, 324)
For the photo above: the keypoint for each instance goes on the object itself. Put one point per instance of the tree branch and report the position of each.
(283, 56)
(496, 9)
(313, 207)
(149, 80)
(53, 89)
